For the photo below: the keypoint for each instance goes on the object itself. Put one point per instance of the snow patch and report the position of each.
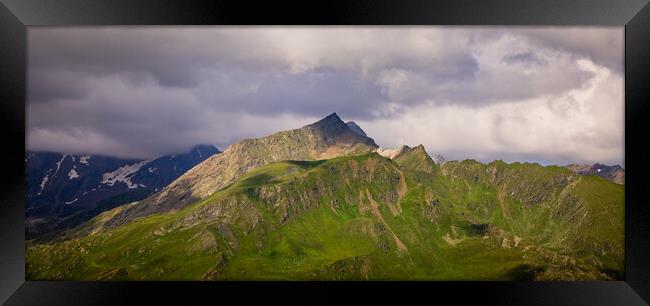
(151, 170)
(58, 164)
(70, 202)
(73, 174)
(44, 181)
(123, 174)
(199, 151)
(84, 159)
(439, 159)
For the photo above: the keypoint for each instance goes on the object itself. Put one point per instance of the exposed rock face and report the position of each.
(614, 173)
(392, 153)
(403, 149)
(327, 138)
(416, 159)
(355, 128)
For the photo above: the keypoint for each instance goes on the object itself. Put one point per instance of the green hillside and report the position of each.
(362, 217)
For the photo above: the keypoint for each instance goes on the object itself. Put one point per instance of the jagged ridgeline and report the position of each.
(324, 202)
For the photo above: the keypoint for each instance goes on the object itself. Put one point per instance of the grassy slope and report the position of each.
(314, 220)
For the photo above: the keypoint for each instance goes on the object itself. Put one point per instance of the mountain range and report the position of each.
(324, 202)
(64, 190)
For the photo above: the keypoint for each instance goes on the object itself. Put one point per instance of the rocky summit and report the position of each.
(327, 138)
(355, 128)
(324, 202)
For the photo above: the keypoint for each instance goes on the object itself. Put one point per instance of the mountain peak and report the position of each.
(332, 118)
(331, 125)
(404, 150)
(415, 158)
(356, 128)
(325, 139)
(392, 153)
(207, 147)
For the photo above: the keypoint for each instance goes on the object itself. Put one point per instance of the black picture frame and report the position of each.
(16, 15)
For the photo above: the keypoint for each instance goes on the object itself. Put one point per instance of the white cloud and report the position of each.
(582, 125)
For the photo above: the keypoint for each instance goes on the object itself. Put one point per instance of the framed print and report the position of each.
(160, 151)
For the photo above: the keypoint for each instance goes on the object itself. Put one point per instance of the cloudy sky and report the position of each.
(547, 95)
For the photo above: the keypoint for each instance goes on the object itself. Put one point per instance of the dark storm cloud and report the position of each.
(529, 58)
(602, 45)
(313, 94)
(144, 91)
(164, 54)
(46, 85)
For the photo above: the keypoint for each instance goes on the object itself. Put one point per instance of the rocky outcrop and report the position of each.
(392, 153)
(355, 128)
(404, 149)
(415, 159)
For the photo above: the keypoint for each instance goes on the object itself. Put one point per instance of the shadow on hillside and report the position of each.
(524, 272)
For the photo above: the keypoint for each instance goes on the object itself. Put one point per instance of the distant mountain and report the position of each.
(415, 159)
(614, 173)
(439, 159)
(63, 190)
(393, 153)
